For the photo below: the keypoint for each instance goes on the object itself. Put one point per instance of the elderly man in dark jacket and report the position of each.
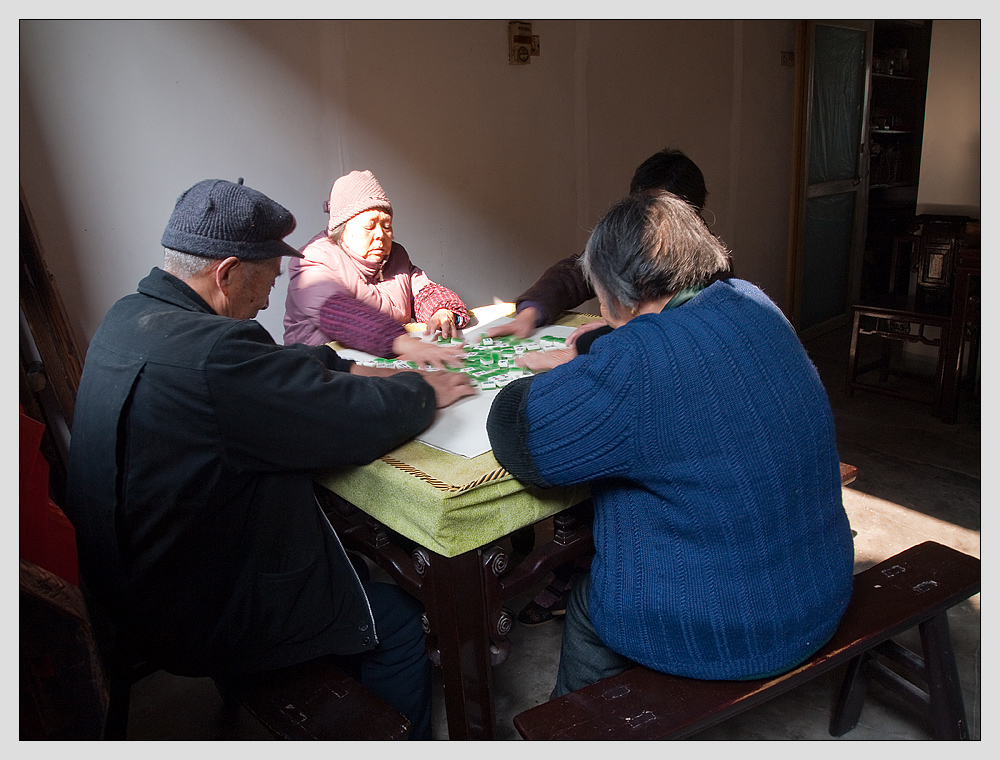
(194, 439)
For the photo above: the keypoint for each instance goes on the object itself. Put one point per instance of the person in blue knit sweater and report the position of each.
(722, 548)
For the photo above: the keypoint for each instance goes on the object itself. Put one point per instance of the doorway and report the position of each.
(831, 189)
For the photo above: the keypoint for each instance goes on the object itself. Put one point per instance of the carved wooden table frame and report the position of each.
(464, 599)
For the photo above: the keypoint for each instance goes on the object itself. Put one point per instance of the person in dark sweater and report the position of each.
(722, 548)
(190, 481)
(563, 287)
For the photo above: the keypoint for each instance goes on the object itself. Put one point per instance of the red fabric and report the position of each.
(433, 297)
(47, 536)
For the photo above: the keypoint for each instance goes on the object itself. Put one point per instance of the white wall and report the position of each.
(495, 171)
(951, 157)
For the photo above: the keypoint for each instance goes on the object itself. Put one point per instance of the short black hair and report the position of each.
(674, 172)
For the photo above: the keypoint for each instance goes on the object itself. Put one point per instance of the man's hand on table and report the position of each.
(427, 354)
(448, 387)
(522, 326)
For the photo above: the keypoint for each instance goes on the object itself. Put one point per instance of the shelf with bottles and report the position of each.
(892, 162)
(896, 77)
(892, 63)
(886, 121)
(900, 49)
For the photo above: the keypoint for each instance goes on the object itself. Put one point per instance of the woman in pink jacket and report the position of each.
(358, 287)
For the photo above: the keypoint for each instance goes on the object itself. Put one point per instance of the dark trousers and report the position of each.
(585, 658)
(397, 671)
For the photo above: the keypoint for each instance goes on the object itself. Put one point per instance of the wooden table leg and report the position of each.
(455, 601)
(463, 600)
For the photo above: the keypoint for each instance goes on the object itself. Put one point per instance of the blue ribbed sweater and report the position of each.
(722, 547)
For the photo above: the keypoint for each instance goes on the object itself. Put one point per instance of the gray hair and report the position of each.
(184, 266)
(649, 245)
(337, 233)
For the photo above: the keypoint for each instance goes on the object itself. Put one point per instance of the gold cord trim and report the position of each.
(497, 474)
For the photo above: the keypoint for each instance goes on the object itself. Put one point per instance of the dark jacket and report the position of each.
(561, 287)
(194, 441)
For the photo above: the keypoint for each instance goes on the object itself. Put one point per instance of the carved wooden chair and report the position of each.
(918, 309)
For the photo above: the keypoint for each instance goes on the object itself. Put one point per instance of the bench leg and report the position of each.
(946, 703)
(853, 691)
(942, 701)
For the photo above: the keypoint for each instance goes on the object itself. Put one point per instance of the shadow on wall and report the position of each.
(52, 216)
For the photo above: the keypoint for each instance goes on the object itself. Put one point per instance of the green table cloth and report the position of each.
(445, 502)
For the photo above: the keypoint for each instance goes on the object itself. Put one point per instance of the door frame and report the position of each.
(803, 191)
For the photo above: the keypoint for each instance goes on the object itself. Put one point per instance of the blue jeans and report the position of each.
(585, 658)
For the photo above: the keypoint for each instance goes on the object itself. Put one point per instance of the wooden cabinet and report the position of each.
(898, 89)
(862, 94)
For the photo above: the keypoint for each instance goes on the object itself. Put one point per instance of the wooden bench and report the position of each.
(848, 474)
(916, 587)
(76, 685)
(315, 700)
(312, 701)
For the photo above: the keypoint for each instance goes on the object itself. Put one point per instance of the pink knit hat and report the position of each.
(354, 193)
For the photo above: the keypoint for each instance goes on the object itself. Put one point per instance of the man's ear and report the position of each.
(224, 274)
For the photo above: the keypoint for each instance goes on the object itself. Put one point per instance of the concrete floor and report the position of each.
(918, 479)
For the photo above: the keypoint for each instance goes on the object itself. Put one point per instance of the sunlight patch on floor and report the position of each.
(884, 529)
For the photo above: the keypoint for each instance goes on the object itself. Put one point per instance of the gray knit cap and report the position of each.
(354, 193)
(217, 219)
